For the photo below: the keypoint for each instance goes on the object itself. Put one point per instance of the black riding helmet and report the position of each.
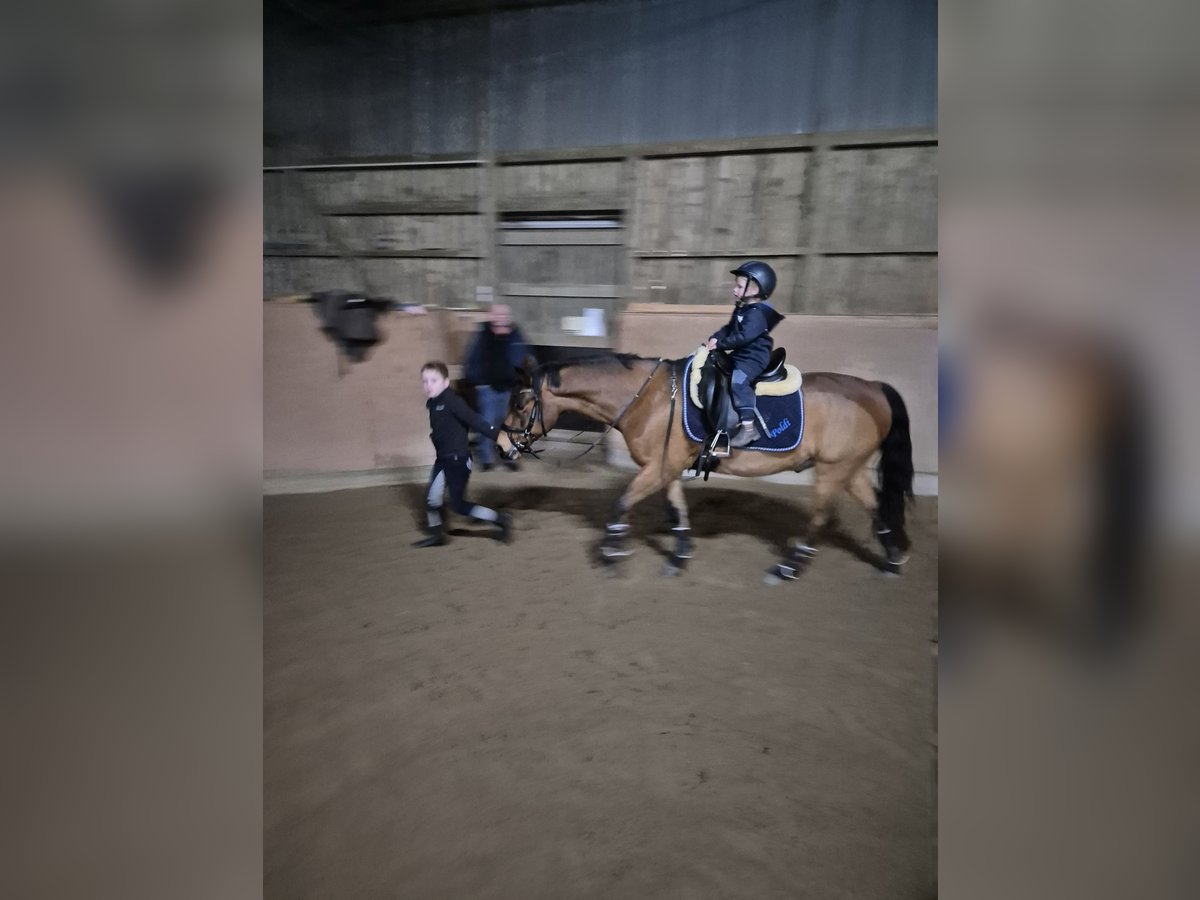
(760, 272)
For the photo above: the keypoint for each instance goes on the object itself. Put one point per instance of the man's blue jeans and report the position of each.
(493, 406)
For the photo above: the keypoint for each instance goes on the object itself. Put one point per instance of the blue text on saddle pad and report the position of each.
(783, 417)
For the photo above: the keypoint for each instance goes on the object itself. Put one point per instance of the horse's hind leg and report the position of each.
(830, 479)
(681, 530)
(863, 491)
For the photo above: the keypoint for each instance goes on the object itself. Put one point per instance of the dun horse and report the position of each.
(847, 420)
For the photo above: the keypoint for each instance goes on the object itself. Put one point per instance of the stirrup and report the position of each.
(719, 447)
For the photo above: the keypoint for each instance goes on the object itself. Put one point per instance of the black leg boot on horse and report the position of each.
(829, 479)
(613, 547)
(798, 557)
(680, 531)
(895, 554)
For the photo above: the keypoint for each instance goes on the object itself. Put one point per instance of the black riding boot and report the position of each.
(435, 536)
(504, 527)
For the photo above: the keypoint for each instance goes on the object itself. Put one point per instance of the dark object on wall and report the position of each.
(348, 319)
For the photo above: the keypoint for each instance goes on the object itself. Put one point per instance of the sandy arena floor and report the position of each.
(482, 721)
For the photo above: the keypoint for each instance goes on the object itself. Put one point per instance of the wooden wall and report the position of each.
(411, 233)
(848, 221)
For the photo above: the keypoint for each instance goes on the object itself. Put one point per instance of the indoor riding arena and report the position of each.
(532, 718)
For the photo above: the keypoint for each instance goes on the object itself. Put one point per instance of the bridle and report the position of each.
(525, 437)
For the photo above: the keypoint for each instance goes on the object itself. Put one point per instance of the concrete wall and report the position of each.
(370, 416)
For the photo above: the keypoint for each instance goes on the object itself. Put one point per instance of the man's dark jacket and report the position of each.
(492, 358)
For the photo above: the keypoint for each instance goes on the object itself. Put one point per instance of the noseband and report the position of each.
(524, 437)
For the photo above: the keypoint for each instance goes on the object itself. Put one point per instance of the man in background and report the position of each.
(495, 353)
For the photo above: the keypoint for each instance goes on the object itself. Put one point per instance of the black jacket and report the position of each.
(450, 417)
(747, 335)
(493, 357)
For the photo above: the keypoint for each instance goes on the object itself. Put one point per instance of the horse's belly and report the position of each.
(757, 462)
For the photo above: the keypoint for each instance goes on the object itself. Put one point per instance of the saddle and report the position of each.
(716, 387)
(710, 391)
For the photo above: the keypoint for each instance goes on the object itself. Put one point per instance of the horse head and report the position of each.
(526, 420)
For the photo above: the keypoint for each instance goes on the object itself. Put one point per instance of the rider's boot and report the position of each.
(747, 434)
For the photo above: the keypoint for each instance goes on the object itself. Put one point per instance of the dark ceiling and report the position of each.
(335, 14)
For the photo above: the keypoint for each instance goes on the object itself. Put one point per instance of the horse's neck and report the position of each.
(600, 394)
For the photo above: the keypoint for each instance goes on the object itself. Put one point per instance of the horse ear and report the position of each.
(525, 371)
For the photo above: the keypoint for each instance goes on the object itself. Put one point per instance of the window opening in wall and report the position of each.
(593, 221)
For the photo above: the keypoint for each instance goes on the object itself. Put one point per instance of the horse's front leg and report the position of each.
(646, 482)
(681, 529)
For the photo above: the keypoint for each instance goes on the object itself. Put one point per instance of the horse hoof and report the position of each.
(892, 570)
(615, 553)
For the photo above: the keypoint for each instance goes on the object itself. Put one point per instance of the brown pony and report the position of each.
(847, 420)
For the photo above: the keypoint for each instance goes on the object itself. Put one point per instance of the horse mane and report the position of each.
(553, 370)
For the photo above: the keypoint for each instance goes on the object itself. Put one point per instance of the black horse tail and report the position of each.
(895, 472)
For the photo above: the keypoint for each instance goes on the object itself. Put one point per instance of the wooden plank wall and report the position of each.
(848, 221)
(411, 233)
(548, 274)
